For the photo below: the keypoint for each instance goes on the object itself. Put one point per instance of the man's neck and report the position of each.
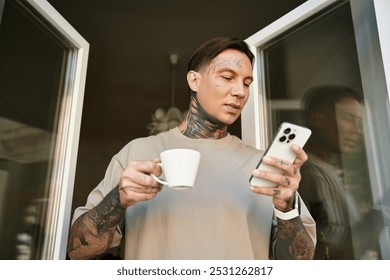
(198, 124)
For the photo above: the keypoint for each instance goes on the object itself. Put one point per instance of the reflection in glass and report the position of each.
(333, 184)
(321, 54)
(31, 74)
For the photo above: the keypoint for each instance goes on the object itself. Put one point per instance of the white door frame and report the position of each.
(66, 146)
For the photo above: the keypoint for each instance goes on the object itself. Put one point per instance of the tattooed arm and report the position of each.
(92, 233)
(292, 241)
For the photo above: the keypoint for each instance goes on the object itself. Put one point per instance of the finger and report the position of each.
(301, 155)
(279, 192)
(263, 190)
(135, 179)
(287, 181)
(156, 168)
(278, 163)
(137, 174)
(132, 196)
(138, 182)
(140, 189)
(145, 166)
(279, 179)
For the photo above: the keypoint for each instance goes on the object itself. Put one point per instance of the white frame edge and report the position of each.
(68, 137)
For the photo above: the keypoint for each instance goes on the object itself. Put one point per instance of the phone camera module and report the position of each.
(291, 136)
(287, 130)
(282, 139)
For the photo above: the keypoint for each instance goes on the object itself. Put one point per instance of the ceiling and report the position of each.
(129, 73)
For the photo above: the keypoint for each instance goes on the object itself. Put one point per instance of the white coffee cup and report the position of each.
(179, 167)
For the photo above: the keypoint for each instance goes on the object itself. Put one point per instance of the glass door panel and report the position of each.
(37, 85)
(310, 72)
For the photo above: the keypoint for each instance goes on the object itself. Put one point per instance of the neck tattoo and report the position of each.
(201, 125)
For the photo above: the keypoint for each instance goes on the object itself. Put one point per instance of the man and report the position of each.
(222, 217)
(339, 202)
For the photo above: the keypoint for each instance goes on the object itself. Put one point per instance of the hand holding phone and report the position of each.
(280, 148)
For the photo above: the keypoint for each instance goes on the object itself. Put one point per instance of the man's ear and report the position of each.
(193, 80)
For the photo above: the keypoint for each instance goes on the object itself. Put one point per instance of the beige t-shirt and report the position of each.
(220, 218)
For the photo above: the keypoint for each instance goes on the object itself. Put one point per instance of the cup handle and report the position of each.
(161, 181)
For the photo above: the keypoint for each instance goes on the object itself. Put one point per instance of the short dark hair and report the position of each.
(323, 98)
(213, 47)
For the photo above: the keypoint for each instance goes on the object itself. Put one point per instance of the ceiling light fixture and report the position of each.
(164, 120)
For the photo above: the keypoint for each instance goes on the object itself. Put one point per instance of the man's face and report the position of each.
(224, 86)
(349, 124)
(345, 127)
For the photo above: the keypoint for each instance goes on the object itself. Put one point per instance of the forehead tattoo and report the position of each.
(221, 63)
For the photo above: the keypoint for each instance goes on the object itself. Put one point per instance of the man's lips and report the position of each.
(234, 106)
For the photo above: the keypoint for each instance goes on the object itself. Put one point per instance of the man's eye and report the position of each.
(348, 118)
(227, 78)
(247, 83)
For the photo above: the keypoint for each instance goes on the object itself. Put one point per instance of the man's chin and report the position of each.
(231, 120)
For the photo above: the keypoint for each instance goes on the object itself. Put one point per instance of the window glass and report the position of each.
(312, 78)
(31, 75)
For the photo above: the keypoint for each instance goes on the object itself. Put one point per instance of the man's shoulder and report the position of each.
(154, 139)
(147, 142)
(243, 145)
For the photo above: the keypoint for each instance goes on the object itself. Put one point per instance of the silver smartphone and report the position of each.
(287, 135)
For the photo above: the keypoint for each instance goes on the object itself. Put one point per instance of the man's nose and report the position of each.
(238, 90)
(359, 126)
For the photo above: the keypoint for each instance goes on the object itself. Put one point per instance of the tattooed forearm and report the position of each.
(108, 213)
(293, 242)
(92, 233)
